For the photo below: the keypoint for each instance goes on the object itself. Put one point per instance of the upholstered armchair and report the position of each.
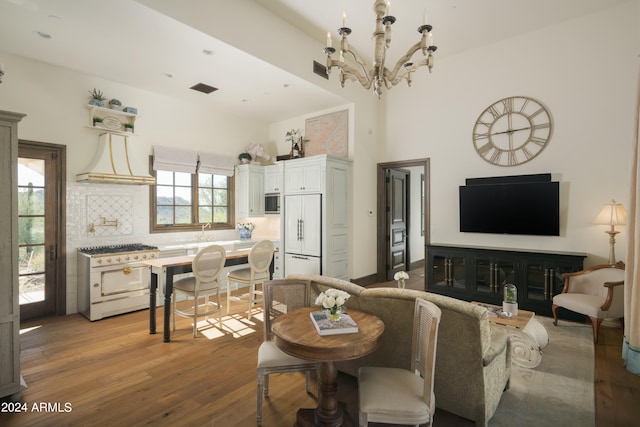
(596, 292)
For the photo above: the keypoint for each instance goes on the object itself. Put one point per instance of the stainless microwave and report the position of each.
(272, 203)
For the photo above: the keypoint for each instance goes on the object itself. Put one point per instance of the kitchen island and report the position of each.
(167, 268)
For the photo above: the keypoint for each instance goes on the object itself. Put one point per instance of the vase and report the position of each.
(245, 234)
(400, 283)
(510, 308)
(334, 314)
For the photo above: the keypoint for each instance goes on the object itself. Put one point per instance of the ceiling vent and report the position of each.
(320, 70)
(204, 88)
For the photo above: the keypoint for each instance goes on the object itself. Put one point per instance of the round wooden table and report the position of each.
(295, 334)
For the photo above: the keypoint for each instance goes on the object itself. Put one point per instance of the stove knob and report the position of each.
(127, 258)
(135, 257)
(118, 259)
(144, 256)
(109, 260)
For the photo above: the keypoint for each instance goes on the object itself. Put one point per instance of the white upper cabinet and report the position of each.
(304, 176)
(273, 178)
(249, 182)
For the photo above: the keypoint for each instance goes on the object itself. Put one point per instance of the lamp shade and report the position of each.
(612, 214)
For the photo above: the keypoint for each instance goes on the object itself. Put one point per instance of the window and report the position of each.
(183, 201)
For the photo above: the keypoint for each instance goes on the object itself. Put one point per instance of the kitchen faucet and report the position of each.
(201, 237)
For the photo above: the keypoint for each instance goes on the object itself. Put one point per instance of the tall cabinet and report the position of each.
(329, 178)
(9, 291)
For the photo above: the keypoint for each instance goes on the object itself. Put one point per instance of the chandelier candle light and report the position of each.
(378, 75)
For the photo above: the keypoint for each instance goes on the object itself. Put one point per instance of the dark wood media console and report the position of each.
(480, 273)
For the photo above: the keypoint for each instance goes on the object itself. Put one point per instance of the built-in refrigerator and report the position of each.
(303, 234)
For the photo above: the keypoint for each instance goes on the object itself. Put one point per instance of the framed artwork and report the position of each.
(327, 134)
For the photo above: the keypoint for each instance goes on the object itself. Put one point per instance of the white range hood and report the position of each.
(118, 162)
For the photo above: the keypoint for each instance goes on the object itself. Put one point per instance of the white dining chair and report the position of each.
(260, 258)
(207, 267)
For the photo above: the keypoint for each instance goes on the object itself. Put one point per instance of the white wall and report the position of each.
(584, 71)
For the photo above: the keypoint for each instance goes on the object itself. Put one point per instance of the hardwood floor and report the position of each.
(112, 372)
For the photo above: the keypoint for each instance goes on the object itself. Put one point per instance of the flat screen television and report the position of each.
(526, 205)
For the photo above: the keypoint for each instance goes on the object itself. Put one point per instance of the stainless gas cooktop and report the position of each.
(114, 249)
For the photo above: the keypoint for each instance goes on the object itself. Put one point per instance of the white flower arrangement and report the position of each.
(332, 299)
(401, 275)
(246, 226)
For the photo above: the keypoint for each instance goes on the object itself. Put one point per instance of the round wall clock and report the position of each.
(512, 131)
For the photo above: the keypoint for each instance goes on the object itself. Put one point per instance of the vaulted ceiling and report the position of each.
(129, 42)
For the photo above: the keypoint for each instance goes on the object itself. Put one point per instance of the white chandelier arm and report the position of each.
(420, 45)
(356, 57)
(406, 72)
(352, 74)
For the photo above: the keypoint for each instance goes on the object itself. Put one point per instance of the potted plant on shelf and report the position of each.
(296, 139)
(97, 121)
(115, 104)
(128, 127)
(96, 98)
(245, 158)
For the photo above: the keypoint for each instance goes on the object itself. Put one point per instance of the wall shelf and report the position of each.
(112, 120)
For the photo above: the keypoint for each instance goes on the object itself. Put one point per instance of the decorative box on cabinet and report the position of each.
(249, 182)
(479, 274)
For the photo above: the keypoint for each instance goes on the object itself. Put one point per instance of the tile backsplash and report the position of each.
(94, 209)
(109, 215)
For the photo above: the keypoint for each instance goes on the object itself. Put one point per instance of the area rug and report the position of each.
(559, 391)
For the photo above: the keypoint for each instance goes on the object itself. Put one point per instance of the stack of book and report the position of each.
(324, 326)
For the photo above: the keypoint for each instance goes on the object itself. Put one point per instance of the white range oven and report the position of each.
(113, 280)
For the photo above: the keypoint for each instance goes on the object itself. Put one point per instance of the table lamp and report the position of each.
(612, 214)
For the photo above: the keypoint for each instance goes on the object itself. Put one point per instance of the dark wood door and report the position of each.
(397, 218)
(40, 229)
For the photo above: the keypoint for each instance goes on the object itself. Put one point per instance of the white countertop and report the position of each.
(229, 245)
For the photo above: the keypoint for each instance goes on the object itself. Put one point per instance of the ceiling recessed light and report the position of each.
(42, 34)
(287, 85)
(168, 75)
(208, 52)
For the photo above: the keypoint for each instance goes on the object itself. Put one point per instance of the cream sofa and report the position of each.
(473, 361)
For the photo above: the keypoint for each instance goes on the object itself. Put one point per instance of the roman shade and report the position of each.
(174, 159)
(215, 164)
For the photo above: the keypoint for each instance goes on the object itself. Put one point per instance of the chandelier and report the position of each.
(379, 76)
